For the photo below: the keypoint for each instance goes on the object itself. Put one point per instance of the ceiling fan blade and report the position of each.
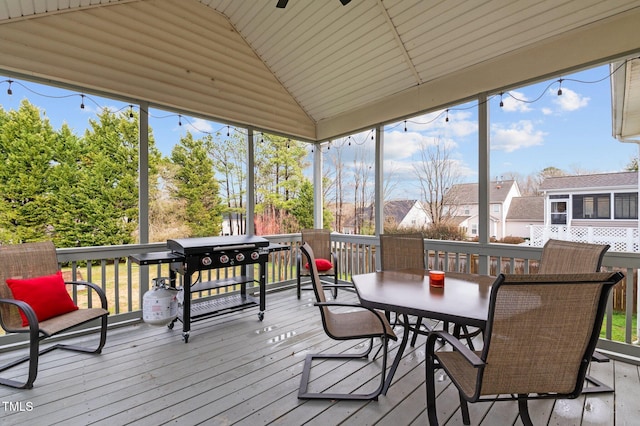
(283, 3)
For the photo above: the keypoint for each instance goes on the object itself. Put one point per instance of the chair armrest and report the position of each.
(95, 287)
(467, 353)
(28, 312)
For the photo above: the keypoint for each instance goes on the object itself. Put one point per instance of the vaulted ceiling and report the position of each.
(316, 69)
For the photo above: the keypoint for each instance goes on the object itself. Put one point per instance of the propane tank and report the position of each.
(160, 303)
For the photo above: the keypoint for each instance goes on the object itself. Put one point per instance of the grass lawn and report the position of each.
(618, 327)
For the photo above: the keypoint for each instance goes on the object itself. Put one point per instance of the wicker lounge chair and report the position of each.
(32, 266)
(320, 241)
(541, 333)
(363, 323)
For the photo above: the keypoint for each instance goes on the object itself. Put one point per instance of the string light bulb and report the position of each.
(405, 125)
(9, 91)
(501, 103)
(228, 131)
(179, 120)
(82, 101)
(130, 111)
(447, 118)
(560, 88)
(349, 140)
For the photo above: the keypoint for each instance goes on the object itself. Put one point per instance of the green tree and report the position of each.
(230, 159)
(280, 163)
(26, 151)
(103, 208)
(196, 184)
(302, 208)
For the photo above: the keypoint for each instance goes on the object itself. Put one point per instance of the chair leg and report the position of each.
(303, 392)
(430, 385)
(335, 283)
(35, 352)
(523, 408)
(75, 348)
(464, 410)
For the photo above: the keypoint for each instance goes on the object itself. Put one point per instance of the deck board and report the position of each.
(238, 370)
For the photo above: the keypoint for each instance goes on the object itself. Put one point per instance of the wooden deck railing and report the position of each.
(125, 282)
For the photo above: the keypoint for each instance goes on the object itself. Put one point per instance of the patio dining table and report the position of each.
(464, 300)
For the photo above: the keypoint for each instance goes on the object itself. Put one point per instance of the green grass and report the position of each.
(618, 327)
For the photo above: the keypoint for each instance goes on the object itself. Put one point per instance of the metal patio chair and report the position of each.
(29, 267)
(541, 333)
(362, 323)
(403, 251)
(558, 257)
(320, 241)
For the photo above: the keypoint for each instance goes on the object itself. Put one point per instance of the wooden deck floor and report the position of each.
(237, 370)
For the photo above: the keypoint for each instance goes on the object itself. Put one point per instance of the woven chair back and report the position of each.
(401, 251)
(542, 331)
(320, 242)
(308, 253)
(571, 257)
(28, 260)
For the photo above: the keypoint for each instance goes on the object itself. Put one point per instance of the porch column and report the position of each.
(143, 176)
(483, 181)
(143, 191)
(251, 197)
(379, 181)
(318, 204)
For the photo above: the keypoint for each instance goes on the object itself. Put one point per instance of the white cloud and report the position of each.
(399, 144)
(547, 111)
(570, 100)
(515, 102)
(521, 134)
(198, 125)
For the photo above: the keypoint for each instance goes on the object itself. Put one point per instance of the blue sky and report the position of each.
(534, 129)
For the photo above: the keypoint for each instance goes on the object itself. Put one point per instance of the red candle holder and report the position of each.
(436, 279)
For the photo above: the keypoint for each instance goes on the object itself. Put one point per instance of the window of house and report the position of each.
(625, 206)
(592, 206)
(559, 212)
(474, 229)
(496, 208)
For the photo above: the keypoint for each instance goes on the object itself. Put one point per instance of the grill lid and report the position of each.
(207, 244)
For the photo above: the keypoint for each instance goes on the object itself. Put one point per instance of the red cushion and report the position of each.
(47, 296)
(322, 265)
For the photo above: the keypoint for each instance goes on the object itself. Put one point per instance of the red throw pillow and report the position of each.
(322, 265)
(47, 296)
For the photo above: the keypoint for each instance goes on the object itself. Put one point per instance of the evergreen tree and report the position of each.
(26, 151)
(197, 186)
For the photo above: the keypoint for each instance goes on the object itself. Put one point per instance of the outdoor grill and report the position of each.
(193, 255)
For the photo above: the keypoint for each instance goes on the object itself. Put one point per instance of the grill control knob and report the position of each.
(224, 259)
(206, 261)
(255, 255)
(240, 257)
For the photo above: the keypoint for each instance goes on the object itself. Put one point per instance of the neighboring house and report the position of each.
(524, 212)
(466, 208)
(398, 214)
(599, 200)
